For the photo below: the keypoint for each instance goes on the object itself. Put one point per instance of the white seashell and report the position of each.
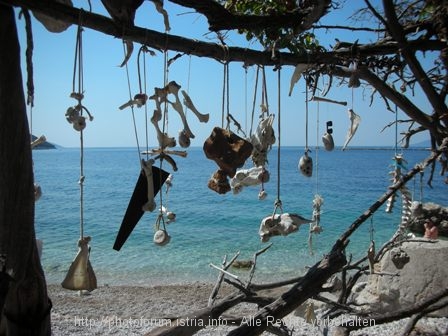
(161, 237)
(306, 165)
(327, 139)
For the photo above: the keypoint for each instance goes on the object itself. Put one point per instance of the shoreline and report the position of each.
(135, 310)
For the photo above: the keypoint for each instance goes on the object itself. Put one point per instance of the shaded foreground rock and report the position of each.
(406, 275)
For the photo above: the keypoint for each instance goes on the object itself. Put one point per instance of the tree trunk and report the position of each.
(27, 308)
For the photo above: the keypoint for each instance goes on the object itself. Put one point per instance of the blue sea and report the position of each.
(210, 226)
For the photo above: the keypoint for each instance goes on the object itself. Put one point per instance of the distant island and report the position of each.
(44, 145)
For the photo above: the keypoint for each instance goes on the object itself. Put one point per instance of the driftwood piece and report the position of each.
(191, 323)
(307, 287)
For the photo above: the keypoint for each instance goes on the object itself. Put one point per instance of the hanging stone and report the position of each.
(328, 142)
(306, 165)
(161, 237)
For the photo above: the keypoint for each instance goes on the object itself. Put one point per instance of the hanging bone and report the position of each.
(354, 123)
(299, 69)
(262, 140)
(186, 134)
(150, 205)
(39, 141)
(396, 177)
(248, 177)
(139, 100)
(164, 140)
(284, 224)
(189, 104)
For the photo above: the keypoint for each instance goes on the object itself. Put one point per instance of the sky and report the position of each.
(106, 88)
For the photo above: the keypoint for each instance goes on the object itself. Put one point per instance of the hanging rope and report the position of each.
(79, 93)
(306, 114)
(142, 90)
(253, 102)
(278, 202)
(317, 148)
(132, 106)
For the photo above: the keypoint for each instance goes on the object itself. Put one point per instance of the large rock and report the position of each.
(407, 275)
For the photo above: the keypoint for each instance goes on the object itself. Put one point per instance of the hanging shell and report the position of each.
(327, 139)
(161, 237)
(306, 165)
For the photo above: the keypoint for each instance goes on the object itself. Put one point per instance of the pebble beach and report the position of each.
(132, 310)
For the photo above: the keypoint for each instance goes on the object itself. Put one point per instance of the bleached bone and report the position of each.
(326, 100)
(262, 140)
(159, 96)
(189, 103)
(354, 123)
(163, 138)
(300, 68)
(174, 88)
(170, 152)
(40, 140)
(169, 183)
(150, 205)
(248, 177)
(284, 224)
(139, 100)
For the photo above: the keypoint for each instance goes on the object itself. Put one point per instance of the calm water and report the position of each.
(209, 226)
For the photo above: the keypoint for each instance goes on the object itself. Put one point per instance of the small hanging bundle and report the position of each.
(279, 223)
(262, 141)
(306, 162)
(80, 275)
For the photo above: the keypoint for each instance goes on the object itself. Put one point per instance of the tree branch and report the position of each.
(398, 34)
(162, 41)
